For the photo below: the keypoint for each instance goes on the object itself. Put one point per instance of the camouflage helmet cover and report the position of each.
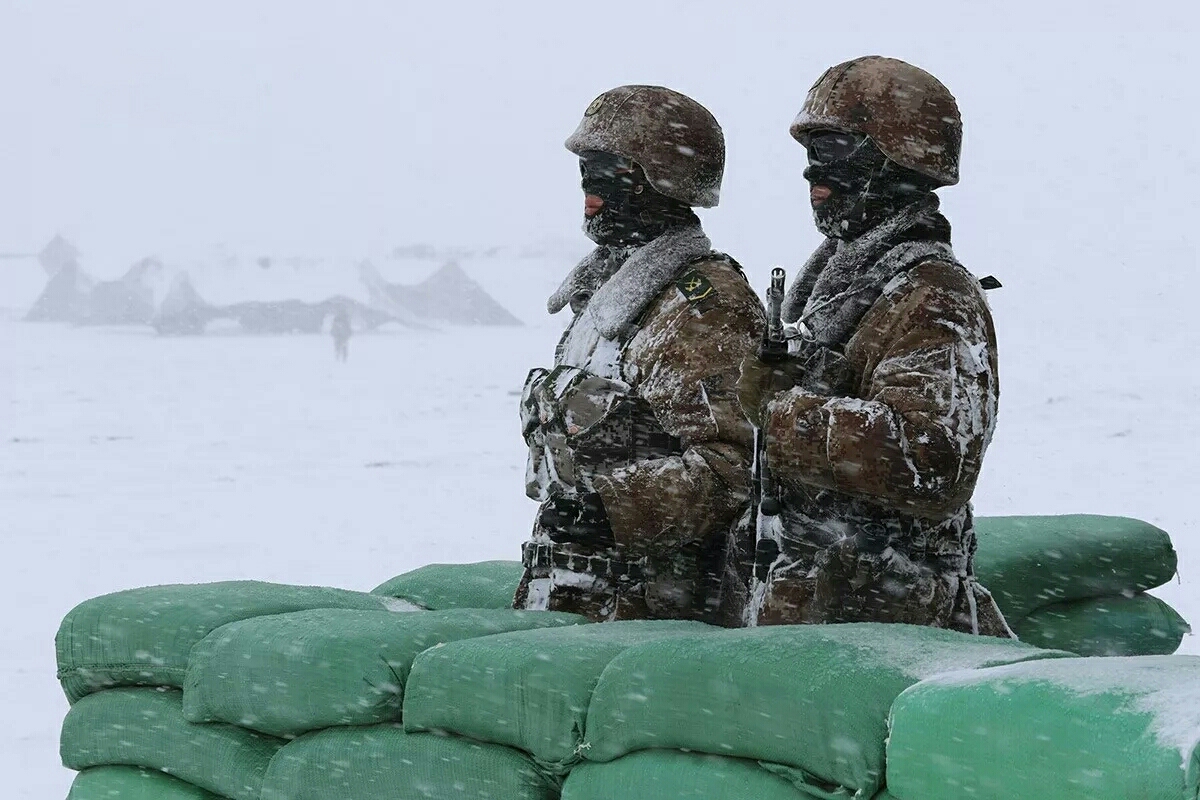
(908, 113)
(674, 139)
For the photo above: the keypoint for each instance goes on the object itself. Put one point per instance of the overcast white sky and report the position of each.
(348, 127)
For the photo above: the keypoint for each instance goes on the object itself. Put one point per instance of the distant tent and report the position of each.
(57, 254)
(65, 298)
(448, 295)
(183, 311)
(278, 316)
(128, 301)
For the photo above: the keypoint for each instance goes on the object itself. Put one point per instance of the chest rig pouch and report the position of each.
(578, 425)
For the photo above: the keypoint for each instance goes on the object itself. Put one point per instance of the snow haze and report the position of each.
(212, 135)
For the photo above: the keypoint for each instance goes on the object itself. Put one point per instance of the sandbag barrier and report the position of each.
(289, 674)
(530, 690)
(142, 637)
(146, 728)
(383, 761)
(607, 708)
(1096, 728)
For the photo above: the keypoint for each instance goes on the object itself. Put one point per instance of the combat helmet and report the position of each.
(907, 112)
(676, 141)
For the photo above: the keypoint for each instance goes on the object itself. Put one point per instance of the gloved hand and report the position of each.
(578, 519)
(761, 380)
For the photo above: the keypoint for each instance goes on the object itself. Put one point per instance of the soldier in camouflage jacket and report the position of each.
(638, 450)
(876, 425)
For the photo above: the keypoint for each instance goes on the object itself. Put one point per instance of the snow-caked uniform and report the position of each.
(637, 425)
(874, 450)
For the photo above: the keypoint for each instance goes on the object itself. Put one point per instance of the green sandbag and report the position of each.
(146, 728)
(1141, 625)
(141, 637)
(528, 690)
(287, 674)
(1031, 562)
(382, 761)
(672, 775)
(133, 783)
(812, 698)
(485, 584)
(1092, 728)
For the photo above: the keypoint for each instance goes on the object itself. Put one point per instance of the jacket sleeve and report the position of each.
(689, 377)
(915, 437)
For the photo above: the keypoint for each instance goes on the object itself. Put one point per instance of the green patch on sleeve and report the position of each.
(696, 289)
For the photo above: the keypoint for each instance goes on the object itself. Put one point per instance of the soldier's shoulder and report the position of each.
(935, 293)
(940, 275)
(714, 281)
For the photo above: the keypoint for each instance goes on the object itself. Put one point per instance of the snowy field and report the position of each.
(128, 459)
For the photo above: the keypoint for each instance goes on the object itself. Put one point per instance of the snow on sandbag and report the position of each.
(382, 761)
(146, 728)
(133, 783)
(1140, 625)
(528, 690)
(1095, 728)
(1031, 562)
(813, 699)
(484, 584)
(286, 674)
(672, 775)
(141, 637)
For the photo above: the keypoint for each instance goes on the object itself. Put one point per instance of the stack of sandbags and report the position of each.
(530, 690)
(1078, 582)
(289, 674)
(145, 727)
(1095, 728)
(809, 703)
(382, 761)
(142, 637)
(110, 644)
(255, 672)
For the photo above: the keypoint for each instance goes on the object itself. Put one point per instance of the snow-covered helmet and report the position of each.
(907, 112)
(675, 140)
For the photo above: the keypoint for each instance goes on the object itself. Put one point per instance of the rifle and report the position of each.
(772, 350)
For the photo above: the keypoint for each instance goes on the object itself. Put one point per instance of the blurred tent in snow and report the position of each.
(183, 310)
(57, 254)
(73, 296)
(297, 316)
(65, 297)
(127, 301)
(448, 295)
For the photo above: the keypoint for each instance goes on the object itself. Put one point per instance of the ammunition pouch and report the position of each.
(578, 425)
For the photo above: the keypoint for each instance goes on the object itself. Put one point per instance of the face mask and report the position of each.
(865, 186)
(633, 212)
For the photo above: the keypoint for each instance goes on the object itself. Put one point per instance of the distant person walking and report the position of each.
(341, 331)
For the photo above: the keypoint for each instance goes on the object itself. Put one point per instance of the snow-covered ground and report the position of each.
(128, 459)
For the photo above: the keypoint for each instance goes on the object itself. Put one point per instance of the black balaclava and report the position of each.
(634, 212)
(867, 187)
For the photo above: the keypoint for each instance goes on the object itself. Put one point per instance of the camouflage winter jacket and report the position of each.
(679, 364)
(875, 473)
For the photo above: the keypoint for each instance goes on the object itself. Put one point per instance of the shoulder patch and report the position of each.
(694, 287)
